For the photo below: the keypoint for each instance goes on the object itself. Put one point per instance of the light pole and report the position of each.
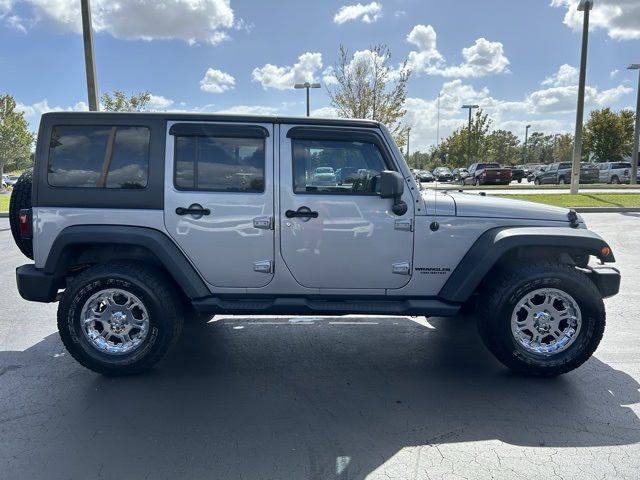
(585, 6)
(89, 57)
(636, 133)
(555, 149)
(307, 85)
(526, 139)
(470, 107)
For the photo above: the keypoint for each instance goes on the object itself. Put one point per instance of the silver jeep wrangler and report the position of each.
(136, 220)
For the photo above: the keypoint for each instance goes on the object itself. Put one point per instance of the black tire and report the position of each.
(132, 318)
(516, 308)
(21, 199)
(519, 180)
(478, 182)
(537, 181)
(615, 180)
(562, 181)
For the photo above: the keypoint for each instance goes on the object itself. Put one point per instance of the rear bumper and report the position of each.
(35, 285)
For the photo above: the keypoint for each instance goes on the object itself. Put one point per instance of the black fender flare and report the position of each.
(76, 238)
(495, 243)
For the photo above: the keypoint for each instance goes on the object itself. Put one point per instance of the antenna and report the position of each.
(435, 225)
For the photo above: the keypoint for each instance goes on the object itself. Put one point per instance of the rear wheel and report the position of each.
(615, 180)
(119, 318)
(562, 181)
(536, 181)
(542, 320)
(478, 182)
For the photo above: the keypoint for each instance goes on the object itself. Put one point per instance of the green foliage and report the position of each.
(468, 144)
(368, 89)
(15, 138)
(119, 103)
(608, 135)
(504, 147)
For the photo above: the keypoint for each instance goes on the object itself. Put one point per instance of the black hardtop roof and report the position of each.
(214, 117)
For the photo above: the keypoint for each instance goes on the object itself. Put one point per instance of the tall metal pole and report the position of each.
(526, 139)
(470, 107)
(307, 85)
(577, 148)
(89, 57)
(636, 133)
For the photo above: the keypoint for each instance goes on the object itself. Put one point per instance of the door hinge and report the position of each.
(263, 266)
(405, 225)
(263, 223)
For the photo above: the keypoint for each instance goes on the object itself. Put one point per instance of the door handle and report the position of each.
(193, 210)
(302, 212)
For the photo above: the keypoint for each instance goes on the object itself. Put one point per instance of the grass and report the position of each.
(608, 199)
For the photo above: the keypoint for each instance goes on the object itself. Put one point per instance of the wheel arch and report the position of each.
(501, 247)
(93, 244)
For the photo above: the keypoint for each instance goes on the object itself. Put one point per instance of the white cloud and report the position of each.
(367, 13)
(216, 81)
(283, 78)
(158, 102)
(482, 59)
(424, 37)
(620, 18)
(190, 20)
(566, 75)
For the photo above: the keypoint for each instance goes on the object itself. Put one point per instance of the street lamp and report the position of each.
(470, 107)
(307, 85)
(555, 150)
(585, 6)
(526, 139)
(89, 56)
(636, 133)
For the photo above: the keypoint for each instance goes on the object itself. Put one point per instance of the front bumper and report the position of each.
(606, 278)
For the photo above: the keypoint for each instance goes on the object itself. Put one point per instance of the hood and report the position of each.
(480, 205)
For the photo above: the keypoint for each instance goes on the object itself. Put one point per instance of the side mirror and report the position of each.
(392, 186)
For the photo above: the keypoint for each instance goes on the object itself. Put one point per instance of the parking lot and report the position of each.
(321, 398)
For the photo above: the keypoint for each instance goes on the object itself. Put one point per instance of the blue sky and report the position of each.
(517, 59)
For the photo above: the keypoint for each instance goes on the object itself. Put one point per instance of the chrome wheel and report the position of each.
(114, 321)
(546, 321)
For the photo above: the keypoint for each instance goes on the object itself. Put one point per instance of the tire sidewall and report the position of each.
(500, 339)
(163, 323)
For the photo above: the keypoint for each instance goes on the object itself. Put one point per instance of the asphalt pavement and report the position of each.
(321, 398)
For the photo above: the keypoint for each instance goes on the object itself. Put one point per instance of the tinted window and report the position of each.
(336, 166)
(99, 156)
(214, 163)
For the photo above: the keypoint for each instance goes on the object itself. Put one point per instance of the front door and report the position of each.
(336, 230)
(219, 200)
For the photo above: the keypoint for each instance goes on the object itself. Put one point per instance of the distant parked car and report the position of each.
(614, 172)
(442, 174)
(459, 173)
(560, 172)
(9, 180)
(518, 173)
(424, 176)
(324, 176)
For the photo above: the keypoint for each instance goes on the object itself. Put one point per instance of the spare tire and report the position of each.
(20, 199)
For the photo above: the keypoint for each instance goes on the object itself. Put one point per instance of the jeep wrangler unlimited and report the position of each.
(136, 220)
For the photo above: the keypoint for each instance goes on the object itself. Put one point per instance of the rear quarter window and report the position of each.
(99, 156)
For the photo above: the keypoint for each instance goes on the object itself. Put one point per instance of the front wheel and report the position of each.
(562, 181)
(537, 181)
(541, 320)
(478, 182)
(120, 318)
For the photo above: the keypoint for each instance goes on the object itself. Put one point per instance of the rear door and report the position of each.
(341, 234)
(219, 200)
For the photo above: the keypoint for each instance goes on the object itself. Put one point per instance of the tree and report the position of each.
(608, 135)
(365, 89)
(563, 148)
(15, 138)
(504, 147)
(119, 103)
(467, 145)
